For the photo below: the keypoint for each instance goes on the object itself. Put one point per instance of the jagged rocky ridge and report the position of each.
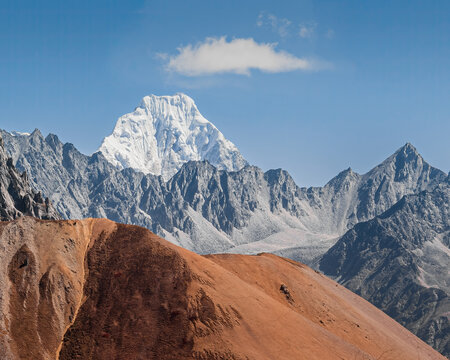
(208, 210)
(16, 196)
(400, 262)
(163, 133)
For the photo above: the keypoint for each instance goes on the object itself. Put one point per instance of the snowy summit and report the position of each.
(163, 133)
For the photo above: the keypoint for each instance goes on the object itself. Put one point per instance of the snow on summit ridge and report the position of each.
(163, 133)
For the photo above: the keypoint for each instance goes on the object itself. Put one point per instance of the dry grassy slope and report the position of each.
(94, 289)
(41, 284)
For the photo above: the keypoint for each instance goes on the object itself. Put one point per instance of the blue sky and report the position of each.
(321, 85)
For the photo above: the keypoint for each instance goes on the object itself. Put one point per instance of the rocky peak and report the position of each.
(36, 136)
(54, 142)
(402, 173)
(343, 180)
(405, 163)
(408, 149)
(279, 176)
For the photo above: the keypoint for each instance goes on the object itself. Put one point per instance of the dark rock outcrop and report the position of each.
(17, 198)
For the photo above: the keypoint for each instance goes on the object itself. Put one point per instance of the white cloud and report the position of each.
(278, 25)
(239, 56)
(307, 30)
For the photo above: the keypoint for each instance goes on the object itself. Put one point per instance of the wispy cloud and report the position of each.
(307, 30)
(285, 27)
(278, 25)
(239, 56)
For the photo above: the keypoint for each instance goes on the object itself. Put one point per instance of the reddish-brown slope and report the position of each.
(94, 289)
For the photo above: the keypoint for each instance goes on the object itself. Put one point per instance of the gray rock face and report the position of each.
(209, 210)
(16, 196)
(400, 261)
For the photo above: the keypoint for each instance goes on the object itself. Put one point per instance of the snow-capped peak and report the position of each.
(163, 133)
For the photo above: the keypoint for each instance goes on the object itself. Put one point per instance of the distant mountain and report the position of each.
(95, 289)
(400, 262)
(163, 133)
(16, 196)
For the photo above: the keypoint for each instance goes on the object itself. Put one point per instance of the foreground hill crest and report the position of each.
(102, 290)
(164, 132)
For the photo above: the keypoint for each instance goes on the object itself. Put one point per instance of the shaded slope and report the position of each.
(122, 292)
(400, 262)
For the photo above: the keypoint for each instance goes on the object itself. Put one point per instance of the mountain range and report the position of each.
(168, 169)
(208, 210)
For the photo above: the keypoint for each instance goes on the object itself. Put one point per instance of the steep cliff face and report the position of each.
(399, 261)
(103, 290)
(16, 196)
(209, 210)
